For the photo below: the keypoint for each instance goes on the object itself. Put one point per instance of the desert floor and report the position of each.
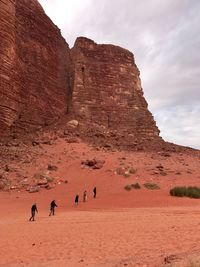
(118, 228)
(89, 235)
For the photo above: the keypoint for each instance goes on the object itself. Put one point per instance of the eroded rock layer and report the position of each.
(34, 60)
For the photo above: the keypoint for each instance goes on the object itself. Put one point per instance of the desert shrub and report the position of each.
(52, 167)
(125, 171)
(136, 186)
(151, 186)
(39, 175)
(128, 187)
(163, 173)
(126, 174)
(120, 171)
(183, 191)
(49, 179)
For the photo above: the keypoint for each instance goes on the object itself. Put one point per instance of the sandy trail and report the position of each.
(120, 237)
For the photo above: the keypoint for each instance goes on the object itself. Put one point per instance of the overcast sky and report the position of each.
(164, 36)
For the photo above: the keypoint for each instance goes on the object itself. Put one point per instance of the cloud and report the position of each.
(180, 123)
(164, 37)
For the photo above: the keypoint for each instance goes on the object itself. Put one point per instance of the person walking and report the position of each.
(52, 207)
(94, 192)
(33, 210)
(76, 200)
(85, 196)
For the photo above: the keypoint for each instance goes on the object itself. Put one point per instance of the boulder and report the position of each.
(52, 167)
(93, 163)
(34, 189)
(73, 123)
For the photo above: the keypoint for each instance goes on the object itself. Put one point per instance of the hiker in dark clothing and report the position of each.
(95, 192)
(76, 199)
(33, 210)
(52, 207)
(85, 196)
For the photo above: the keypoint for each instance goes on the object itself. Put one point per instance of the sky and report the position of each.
(164, 36)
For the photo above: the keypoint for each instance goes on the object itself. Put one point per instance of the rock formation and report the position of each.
(41, 80)
(34, 62)
(107, 90)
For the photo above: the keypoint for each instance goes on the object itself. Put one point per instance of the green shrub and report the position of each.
(136, 186)
(183, 191)
(151, 186)
(128, 187)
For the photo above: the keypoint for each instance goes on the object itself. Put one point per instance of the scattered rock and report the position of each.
(48, 186)
(71, 140)
(34, 189)
(14, 144)
(47, 141)
(132, 170)
(155, 172)
(14, 187)
(159, 166)
(35, 143)
(170, 259)
(163, 173)
(42, 182)
(73, 123)
(27, 161)
(125, 171)
(120, 171)
(7, 169)
(52, 167)
(166, 154)
(94, 163)
(126, 174)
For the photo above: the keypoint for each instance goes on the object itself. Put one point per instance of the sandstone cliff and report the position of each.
(107, 90)
(41, 80)
(34, 62)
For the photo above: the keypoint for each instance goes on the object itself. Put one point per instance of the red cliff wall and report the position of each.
(8, 92)
(35, 62)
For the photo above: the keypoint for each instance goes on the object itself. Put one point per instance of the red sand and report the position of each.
(119, 228)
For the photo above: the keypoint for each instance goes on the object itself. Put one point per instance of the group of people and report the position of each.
(76, 200)
(53, 204)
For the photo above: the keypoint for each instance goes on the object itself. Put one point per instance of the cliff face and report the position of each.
(41, 79)
(34, 60)
(8, 93)
(107, 89)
